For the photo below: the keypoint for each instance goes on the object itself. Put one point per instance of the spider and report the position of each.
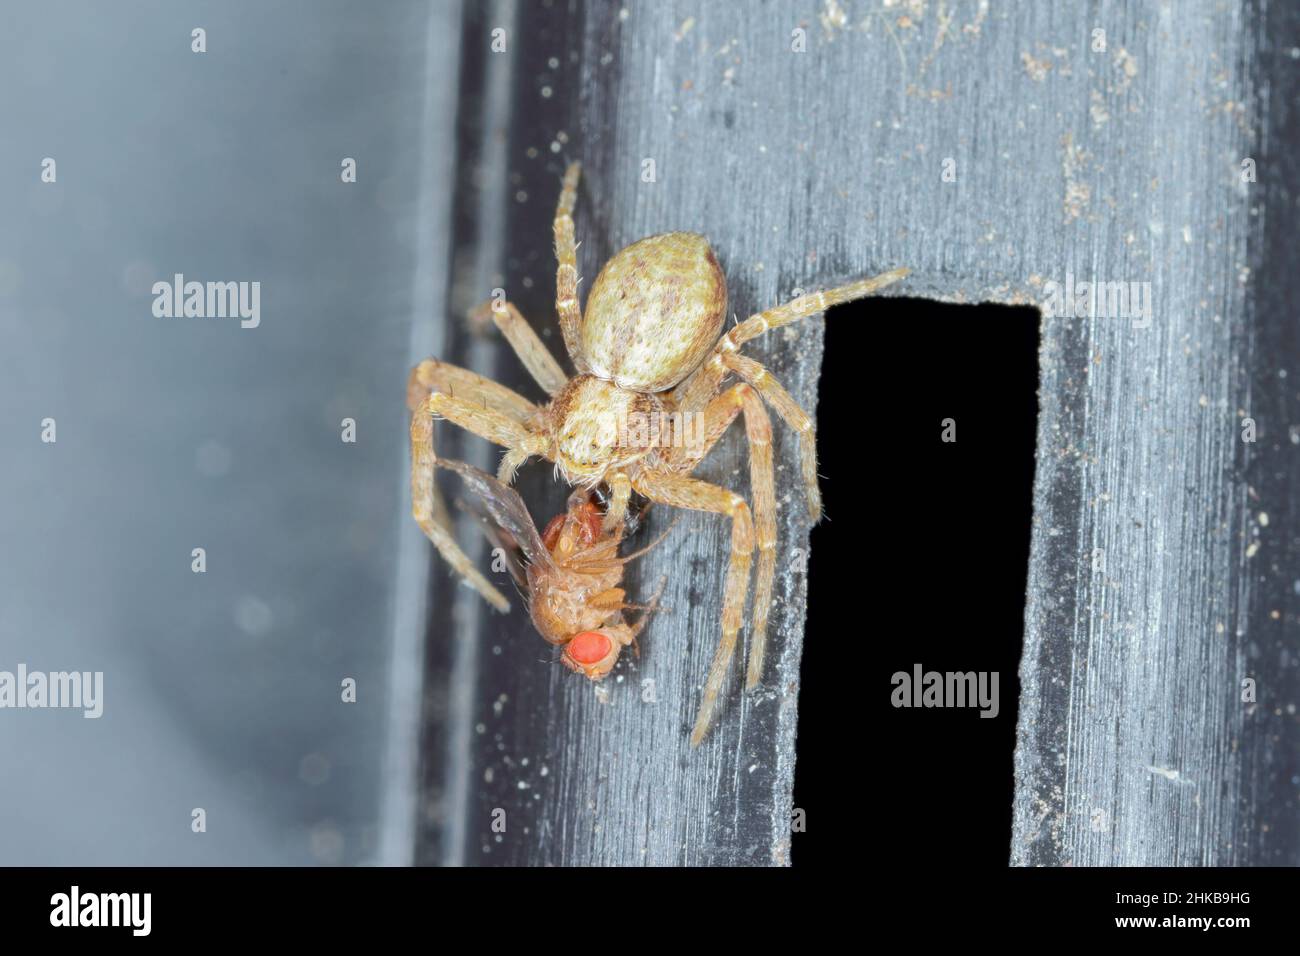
(572, 572)
(648, 349)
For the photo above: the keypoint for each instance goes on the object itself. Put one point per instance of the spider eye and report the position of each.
(589, 647)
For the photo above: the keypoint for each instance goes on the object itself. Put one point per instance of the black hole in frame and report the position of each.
(921, 559)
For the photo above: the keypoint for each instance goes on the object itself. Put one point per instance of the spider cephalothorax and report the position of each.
(649, 352)
(585, 420)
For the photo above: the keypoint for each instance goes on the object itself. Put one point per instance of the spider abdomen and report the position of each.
(654, 311)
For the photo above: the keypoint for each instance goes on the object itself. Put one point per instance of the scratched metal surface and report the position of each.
(810, 167)
(1164, 550)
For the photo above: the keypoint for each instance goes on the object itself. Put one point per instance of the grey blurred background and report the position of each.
(222, 690)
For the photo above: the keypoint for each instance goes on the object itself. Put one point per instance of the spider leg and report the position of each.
(426, 504)
(431, 514)
(685, 451)
(806, 305)
(762, 482)
(537, 358)
(705, 380)
(566, 275)
(718, 416)
(693, 494)
(432, 375)
(485, 422)
(620, 487)
(794, 416)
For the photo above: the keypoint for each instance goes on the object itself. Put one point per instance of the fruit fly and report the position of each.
(571, 572)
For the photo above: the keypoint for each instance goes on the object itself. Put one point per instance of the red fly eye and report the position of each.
(589, 647)
(552, 533)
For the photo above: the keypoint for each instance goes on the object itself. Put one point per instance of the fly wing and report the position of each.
(505, 507)
(498, 537)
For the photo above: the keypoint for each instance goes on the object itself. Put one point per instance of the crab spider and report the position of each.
(649, 346)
